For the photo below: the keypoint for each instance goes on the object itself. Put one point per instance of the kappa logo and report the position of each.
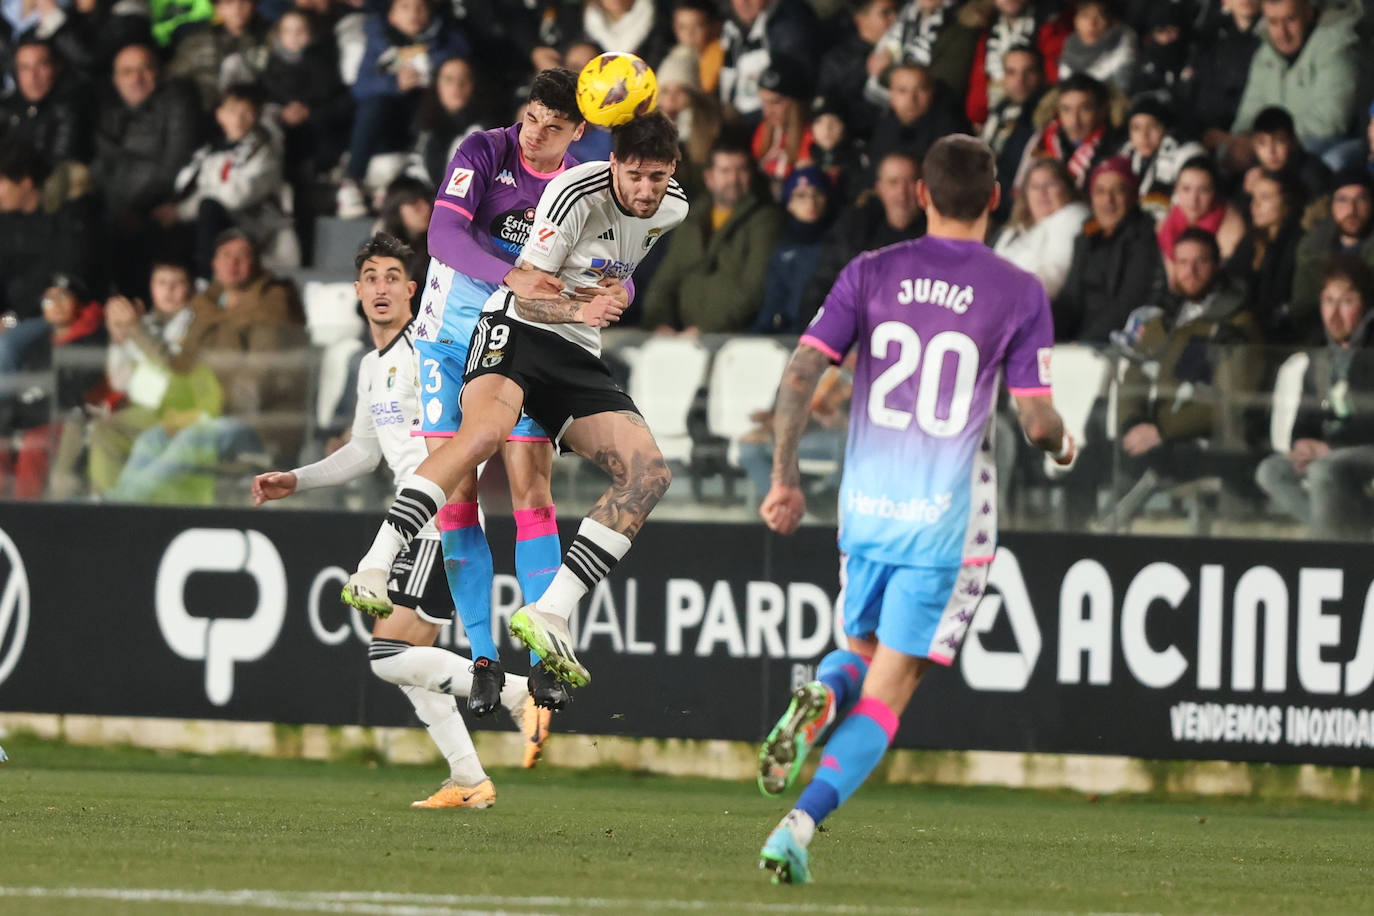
(506, 177)
(14, 607)
(434, 283)
(220, 642)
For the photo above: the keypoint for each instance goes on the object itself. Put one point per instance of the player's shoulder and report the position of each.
(485, 145)
(583, 175)
(675, 199)
(582, 186)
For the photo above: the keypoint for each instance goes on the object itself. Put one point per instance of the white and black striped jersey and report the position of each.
(581, 234)
(388, 400)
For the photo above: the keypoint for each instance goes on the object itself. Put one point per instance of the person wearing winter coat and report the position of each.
(1100, 46)
(1045, 222)
(201, 56)
(807, 198)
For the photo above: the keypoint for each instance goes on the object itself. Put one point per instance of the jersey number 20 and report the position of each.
(942, 347)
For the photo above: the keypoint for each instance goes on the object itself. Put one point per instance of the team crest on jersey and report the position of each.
(651, 236)
(459, 182)
(391, 377)
(1042, 359)
(493, 358)
(506, 177)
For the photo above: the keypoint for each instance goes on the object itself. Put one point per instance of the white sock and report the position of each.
(449, 733)
(419, 501)
(591, 556)
(801, 825)
(434, 669)
(514, 694)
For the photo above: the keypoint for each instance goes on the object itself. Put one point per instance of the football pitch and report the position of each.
(115, 831)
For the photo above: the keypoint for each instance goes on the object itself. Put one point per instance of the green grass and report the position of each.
(123, 818)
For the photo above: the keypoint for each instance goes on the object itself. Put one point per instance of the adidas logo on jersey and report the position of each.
(608, 235)
(506, 177)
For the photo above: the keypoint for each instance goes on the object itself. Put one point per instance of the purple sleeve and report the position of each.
(450, 228)
(1032, 341)
(836, 324)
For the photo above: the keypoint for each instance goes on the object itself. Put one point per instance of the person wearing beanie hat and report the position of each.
(783, 138)
(1155, 154)
(807, 196)
(1348, 227)
(1116, 267)
(679, 68)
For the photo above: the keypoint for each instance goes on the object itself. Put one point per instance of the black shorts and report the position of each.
(418, 581)
(561, 380)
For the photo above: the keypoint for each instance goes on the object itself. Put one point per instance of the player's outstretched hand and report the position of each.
(601, 311)
(273, 485)
(782, 509)
(528, 283)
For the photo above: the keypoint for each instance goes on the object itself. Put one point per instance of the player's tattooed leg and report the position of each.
(638, 482)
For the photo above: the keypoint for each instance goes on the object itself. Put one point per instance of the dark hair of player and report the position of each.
(1202, 237)
(556, 90)
(383, 245)
(960, 172)
(648, 138)
(1082, 82)
(1351, 268)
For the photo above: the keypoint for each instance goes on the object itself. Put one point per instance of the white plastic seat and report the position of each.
(1079, 375)
(665, 373)
(744, 380)
(1287, 401)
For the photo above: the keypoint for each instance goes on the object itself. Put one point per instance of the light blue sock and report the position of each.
(843, 672)
(854, 750)
(467, 563)
(538, 553)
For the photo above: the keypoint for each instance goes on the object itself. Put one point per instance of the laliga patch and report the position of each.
(1042, 359)
(541, 239)
(459, 182)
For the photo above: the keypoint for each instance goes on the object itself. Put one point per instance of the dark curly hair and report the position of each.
(384, 245)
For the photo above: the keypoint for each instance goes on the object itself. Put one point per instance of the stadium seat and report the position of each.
(337, 241)
(335, 328)
(665, 373)
(744, 379)
(1079, 376)
(1287, 401)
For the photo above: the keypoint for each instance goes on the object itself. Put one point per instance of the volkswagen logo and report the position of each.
(14, 606)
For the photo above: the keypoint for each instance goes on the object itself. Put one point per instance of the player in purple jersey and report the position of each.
(482, 215)
(937, 322)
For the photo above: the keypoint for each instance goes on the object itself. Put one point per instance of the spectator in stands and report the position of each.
(35, 243)
(405, 214)
(783, 137)
(1265, 261)
(306, 98)
(143, 343)
(448, 113)
(890, 214)
(1165, 33)
(145, 134)
(1155, 153)
(71, 319)
(807, 198)
(1116, 265)
(1323, 481)
(1045, 222)
(696, 25)
(1348, 228)
(200, 56)
(932, 34)
(1010, 124)
(1277, 150)
(696, 114)
(1196, 202)
(237, 181)
(1210, 86)
(760, 32)
(1080, 135)
(44, 109)
(712, 278)
(171, 19)
(1100, 46)
(404, 50)
(844, 68)
(1009, 25)
(625, 25)
(834, 151)
(243, 319)
(920, 111)
(1308, 66)
(1188, 363)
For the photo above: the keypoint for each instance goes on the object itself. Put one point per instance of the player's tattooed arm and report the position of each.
(549, 311)
(793, 409)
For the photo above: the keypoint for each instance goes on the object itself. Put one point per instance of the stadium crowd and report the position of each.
(1192, 181)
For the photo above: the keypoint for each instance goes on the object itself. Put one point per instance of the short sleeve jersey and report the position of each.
(582, 234)
(936, 323)
(489, 183)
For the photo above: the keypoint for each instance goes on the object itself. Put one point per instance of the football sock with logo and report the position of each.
(417, 503)
(843, 672)
(854, 749)
(467, 563)
(537, 552)
(448, 732)
(594, 552)
(398, 662)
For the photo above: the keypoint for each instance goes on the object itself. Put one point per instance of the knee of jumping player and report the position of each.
(649, 474)
(382, 653)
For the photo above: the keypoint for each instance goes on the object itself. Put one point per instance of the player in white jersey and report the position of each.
(937, 325)
(402, 649)
(593, 226)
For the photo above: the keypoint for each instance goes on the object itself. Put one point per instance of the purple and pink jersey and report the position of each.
(936, 323)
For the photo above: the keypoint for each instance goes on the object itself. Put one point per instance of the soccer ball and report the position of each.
(616, 87)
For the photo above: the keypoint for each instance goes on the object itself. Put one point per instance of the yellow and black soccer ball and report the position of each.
(616, 87)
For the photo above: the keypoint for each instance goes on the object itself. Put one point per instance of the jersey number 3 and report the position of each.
(944, 346)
